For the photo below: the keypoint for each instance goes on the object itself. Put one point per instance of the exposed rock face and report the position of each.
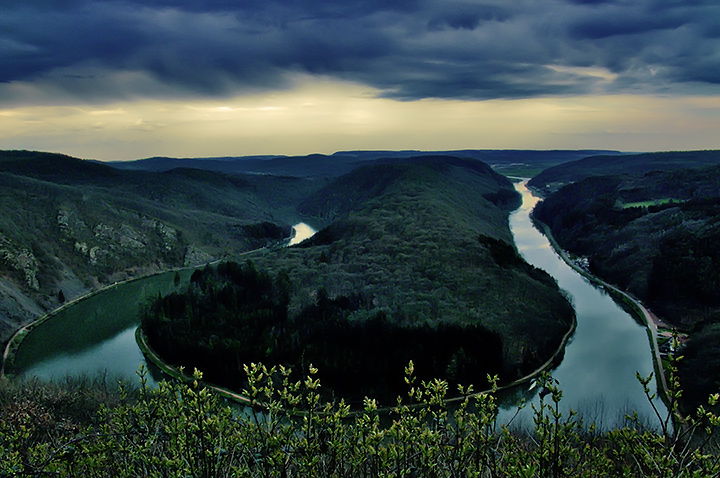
(87, 250)
(196, 257)
(20, 259)
(16, 308)
(69, 226)
(167, 234)
(121, 239)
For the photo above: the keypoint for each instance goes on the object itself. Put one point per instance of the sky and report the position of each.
(129, 79)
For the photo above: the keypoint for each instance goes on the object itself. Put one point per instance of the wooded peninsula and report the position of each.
(416, 262)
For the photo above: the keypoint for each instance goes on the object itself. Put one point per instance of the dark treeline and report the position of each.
(656, 236)
(427, 243)
(234, 315)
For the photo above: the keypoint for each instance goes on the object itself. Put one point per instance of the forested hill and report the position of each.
(417, 263)
(631, 164)
(459, 180)
(68, 226)
(657, 236)
(55, 167)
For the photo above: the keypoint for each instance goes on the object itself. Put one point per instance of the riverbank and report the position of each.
(16, 340)
(177, 373)
(548, 361)
(552, 361)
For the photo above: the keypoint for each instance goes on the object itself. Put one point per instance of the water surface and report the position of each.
(95, 335)
(597, 372)
(302, 231)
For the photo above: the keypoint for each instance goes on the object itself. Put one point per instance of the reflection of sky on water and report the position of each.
(597, 373)
(302, 232)
(118, 357)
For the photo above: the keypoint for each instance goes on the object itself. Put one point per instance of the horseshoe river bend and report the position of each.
(597, 372)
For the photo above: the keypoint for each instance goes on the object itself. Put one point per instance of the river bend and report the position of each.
(596, 374)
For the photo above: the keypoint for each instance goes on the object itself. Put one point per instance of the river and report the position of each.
(597, 373)
(95, 335)
(302, 231)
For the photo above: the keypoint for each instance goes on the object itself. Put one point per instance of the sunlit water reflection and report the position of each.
(302, 231)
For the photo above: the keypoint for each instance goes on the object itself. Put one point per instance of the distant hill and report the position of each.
(372, 180)
(525, 162)
(555, 177)
(54, 167)
(315, 165)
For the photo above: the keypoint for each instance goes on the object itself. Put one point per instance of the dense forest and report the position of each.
(234, 314)
(416, 263)
(656, 236)
(69, 226)
(413, 271)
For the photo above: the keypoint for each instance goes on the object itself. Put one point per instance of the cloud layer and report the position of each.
(54, 50)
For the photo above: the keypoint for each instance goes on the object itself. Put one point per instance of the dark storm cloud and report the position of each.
(409, 49)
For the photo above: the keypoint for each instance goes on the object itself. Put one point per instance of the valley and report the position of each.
(349, 258)
(427, 258)
(69, 226)
(653, 233)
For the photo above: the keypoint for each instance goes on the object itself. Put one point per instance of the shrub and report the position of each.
(183, 429)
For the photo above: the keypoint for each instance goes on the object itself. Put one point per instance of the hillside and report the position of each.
(551, 179)
(416, 262)
(68, 226)
(634, 230)
(525, 163)
(656, 236)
